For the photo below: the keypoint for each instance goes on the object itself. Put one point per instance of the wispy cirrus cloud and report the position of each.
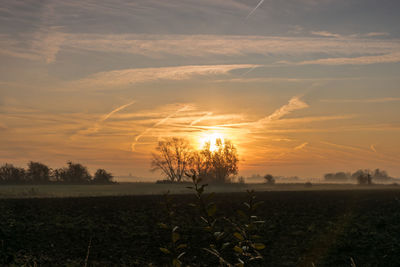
(295, 103)
(140, 75)
(363, 100)
(302, 146)
(376, 34)
(158, 123)
(326, 34)
(95, 128)
(363, 60)
(201, 45)
(48, 42)
(255, 8)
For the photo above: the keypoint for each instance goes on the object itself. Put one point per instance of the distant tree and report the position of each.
(201, 164)
(241, 180)
(59, 175)
(11, 175)
(329, 177)
(73, 173)
(269, 179)
(363, 177)
(356, 174)
(102, 177)
(380, 175)
(38, 173)
(172, 157)
(339, 176)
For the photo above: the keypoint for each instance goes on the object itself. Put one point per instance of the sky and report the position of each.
(301, 87)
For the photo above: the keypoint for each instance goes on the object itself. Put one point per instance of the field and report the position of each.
(124, 189)
(325, 228)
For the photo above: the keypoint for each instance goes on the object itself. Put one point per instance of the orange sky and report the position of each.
(299, 90)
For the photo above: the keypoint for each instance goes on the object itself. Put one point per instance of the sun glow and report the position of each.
(211, 138)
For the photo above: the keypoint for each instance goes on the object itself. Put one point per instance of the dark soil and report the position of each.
(324, 228)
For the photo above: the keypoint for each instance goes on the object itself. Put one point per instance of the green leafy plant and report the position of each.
(245, 232)
(241, 235)
(208, 210)
(175, 249)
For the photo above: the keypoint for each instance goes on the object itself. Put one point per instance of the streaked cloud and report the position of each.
(363, 100)
(375, 34)
(294, 104)
(158, 123)
(302, 146)
(255, 8)
(97, 125)
(130, 76)
(364, 60)
(47, 43)
(326, 34)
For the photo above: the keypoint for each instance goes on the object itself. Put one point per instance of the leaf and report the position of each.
(204, 219)
(165, 250)
(176, 263)
(238, 249)
(180, 255)
(246, 204)
(259, 222)
(255, 237)
(192, 205)
(240, 264)
(218, 235)
(201, 189)
(259, 246)
(163, 225)
(175, 237)
(175, 228)
(212, 208)
(238, 236)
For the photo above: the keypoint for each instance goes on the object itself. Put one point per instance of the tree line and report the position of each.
(39, 173)
(177, 160)
(360, 176)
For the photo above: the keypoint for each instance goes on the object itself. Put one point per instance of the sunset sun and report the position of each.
(211, 138)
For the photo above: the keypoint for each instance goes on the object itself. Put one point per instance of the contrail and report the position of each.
(248, 71)
(155, 125)
(259, 4)
(201, 118)
(105, 117)
(98, 123)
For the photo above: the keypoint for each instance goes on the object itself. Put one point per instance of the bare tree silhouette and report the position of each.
(172, 157)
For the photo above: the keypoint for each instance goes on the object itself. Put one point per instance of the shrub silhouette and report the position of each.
(102, 177)
(11, 175)
(38, 172)
(269, 179)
